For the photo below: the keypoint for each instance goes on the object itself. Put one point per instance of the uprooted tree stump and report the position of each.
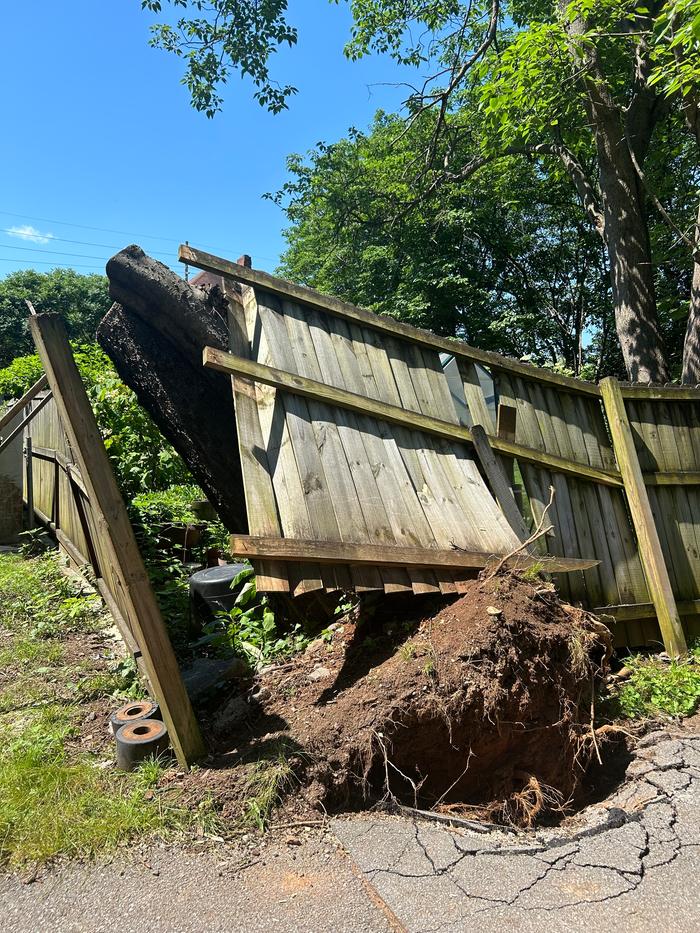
(154, 334)
(475, 712)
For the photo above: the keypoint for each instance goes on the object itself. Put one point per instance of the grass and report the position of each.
(54, 798)
(51, 803)
(270, 777)
(657, 687)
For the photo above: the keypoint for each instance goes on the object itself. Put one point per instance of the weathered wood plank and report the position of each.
(315, 497)
(506, 421)
(354, 494)
(343, 552)
(25, 421)
(661, 393)
(15, 409)
(261, 505)
(629, 612)
(125, 573)
(498, 481)
(673, 478)
(289, 492)
(647, 536)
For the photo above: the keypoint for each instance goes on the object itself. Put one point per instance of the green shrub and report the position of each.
(141, 458)
(171, 505)
(656, 687)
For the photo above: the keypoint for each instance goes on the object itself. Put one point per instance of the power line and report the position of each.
(59, 239)
(65, 223)
(51, 252)
(56, 265)
(131, 236)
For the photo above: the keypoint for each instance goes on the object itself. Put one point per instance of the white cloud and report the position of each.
(27, 232)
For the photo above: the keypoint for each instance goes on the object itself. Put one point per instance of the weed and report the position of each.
(269, 779)
(533, 572)
(38, 598)
(408, 651)
(250, 628)
(33, 542)
(150, 771)
(26, 650)
(348, 604)
(120, 681)
(50, 804)
(655, 687)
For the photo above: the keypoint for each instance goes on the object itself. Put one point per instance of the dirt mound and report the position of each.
(484, 707)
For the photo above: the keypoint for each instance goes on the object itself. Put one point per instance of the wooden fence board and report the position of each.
(261, 506)
(332, 552)
(362, 480)
(356, 499)
(291, 503)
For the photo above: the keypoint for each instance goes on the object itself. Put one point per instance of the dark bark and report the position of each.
(691, 345)
(155, 334)
(631, 268)
(621, 138)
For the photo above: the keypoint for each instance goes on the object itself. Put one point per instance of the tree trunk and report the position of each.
(618, 135)
(155, 335)
(691, 346)
(631, 268)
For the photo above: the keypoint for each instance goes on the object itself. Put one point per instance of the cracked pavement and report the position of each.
(633, 859)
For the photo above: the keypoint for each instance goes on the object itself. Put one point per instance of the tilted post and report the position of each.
(124, 573)
(650, 552)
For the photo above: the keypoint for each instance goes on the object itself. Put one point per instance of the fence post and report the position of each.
(650, 552)
(29, 466)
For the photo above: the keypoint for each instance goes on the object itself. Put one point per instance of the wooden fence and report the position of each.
(624, 461)
(70, 486)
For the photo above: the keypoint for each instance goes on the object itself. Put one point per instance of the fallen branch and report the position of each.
(539, 531)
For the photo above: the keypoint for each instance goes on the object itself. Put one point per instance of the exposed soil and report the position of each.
(483, 708)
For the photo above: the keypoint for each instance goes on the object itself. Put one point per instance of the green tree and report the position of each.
(505, 259)
(82, 300)
(590, 84)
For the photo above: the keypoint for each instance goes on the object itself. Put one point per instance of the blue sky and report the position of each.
(100, 134)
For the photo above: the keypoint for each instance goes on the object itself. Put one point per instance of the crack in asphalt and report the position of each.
(639, 834)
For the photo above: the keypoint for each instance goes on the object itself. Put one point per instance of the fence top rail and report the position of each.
(6, 441)
(384, 323)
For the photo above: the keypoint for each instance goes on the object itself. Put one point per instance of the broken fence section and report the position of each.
(425, 470)
(73, 490)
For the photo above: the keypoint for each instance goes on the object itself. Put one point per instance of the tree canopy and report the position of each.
(82, 300)
(604, 94)
(506, 259)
